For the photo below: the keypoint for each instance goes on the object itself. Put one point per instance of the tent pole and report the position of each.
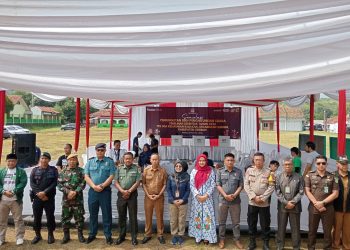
(257, 129)
(129, 132)
(278, 126)
(87, 125)
(111, 125)
(2, 117)
(342, 123)
(77, 125)
(312, 117)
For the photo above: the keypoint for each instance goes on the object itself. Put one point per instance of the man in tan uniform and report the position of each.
(154, 183)
(259, 190)
(321, 188)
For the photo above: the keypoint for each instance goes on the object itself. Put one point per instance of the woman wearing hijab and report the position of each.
(202, 184)
(178, 188)
(145, 156)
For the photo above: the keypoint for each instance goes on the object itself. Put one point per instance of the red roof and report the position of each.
(48, 109)
(106, 113)
(14, 98)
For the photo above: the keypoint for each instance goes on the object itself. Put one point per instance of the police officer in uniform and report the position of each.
(259, 190)
(72, 183)
(127, 179)
(43, 182)
(99, 174)
(321, 188)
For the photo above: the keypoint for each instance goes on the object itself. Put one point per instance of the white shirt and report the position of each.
(10, 183)
(115, 155)
(310, 159)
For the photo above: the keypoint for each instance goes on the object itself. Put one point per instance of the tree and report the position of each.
(67, 109)
(9, 106)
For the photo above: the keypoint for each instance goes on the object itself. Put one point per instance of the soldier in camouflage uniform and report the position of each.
(72, 183)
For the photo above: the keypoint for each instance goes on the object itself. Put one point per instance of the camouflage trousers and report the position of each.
(69, 211)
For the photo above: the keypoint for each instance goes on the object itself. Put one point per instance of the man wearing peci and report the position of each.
(289, 191)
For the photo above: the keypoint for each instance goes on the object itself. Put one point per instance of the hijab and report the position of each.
(183, 174)
(203, 173)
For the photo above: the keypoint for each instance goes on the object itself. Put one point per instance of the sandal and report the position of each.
(206, 242)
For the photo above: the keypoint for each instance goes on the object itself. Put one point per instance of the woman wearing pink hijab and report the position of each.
(202, 183)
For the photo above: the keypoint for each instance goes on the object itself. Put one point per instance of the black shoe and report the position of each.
(146, 239)
(66, 236)
(109, 241)
(81, 236)
(252, 244)
(50, 238)
(36, 239)
(161, 240)
(119, 240)
(134, 242)
(90, 239)
(266, 245)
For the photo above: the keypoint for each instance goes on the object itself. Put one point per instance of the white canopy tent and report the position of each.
(188, 51)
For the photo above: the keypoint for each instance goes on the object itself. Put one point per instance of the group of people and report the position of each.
(327, 192)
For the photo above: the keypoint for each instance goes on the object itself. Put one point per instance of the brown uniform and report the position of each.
(154, 180)
(321, 188)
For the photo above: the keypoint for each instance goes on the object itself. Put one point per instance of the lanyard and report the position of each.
(117, 155)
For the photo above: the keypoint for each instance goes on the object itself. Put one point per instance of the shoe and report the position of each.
(81, 236)
(134, 242)
(66, 236)
(2, 242)
(90, 239)
(206, 242)
(119, 241)
(222, 244)
(161, 240)
(109, 241)
(181, 240)
(146, 239)
(19, 242)
(174, 240)
(266, 245)
(50, 238)
(37, 238)
(238, 244)
(252, 244)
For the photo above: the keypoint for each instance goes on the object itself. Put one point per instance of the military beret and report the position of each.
(343, 160)
(100, 146)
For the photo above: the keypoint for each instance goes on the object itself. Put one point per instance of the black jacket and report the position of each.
(338, 203)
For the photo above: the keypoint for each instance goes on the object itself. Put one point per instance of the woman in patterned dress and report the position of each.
(202, 182)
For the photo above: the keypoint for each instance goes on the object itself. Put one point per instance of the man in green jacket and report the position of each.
(12, 183)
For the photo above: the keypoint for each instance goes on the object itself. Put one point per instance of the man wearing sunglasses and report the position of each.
(99, 174)
(321, 187)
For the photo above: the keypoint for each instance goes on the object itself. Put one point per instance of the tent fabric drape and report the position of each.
(162, 51)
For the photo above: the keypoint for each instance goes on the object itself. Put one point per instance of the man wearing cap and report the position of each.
(341, 232)
(43, 182)
(72, 183)
(321, 188)
(99, 174)
(127, 179)
(12, 183)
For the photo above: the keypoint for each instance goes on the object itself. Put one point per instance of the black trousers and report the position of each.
(123, 206)
(263, 213)
(49, 207)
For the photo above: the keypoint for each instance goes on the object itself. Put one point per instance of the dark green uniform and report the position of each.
(127, 177)
(72, 179)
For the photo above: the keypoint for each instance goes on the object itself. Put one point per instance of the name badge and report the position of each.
(326, 189)
(177, 194)
(287, 190)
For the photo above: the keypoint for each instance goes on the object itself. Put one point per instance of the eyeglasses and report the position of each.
(321, 163)
(100, 150)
